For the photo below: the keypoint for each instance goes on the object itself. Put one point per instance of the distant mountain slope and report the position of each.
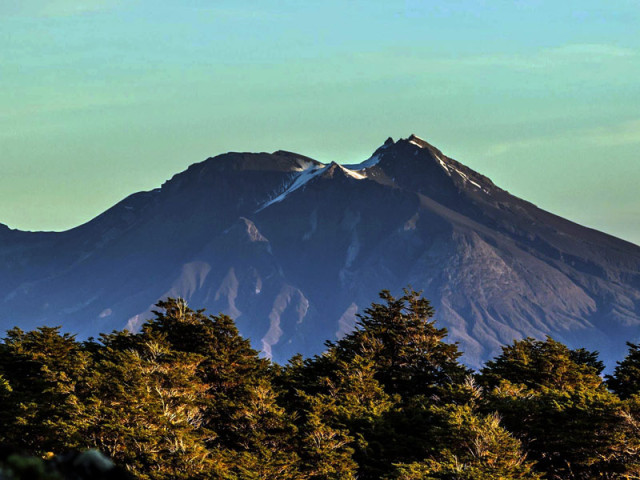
(293, 249)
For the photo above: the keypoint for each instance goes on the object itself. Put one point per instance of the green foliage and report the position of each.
(625, 455)
(188, 398)
(45, 381)
(625, 380)
(341, 417)
(558, 405)
(402, 341)
(377, 383)
(147, 409)
(536, 364)
(478, 447)
(244, 425)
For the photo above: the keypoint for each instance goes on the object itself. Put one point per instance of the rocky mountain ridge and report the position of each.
(294, 249)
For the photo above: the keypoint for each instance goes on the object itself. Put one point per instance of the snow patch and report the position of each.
(133, 324)
(418, 142)
(304, 165)
(300, 180)
(347, 322)
(443, 165)
(467, 179)
(368, 163)
(353, 174)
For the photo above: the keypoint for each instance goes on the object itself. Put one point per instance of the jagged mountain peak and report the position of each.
(413, 141)
(409, 149)
(418, 141)
(414, 163)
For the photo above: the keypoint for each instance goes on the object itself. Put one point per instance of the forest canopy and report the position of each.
(187, 397)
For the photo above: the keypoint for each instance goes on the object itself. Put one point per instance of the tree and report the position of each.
(625, 455)
(625, 380)
(537, 363)
(378, 382)
(554, 401)
(407, 350)
(250, 434)
(231, 369)
(147, 408)
(477, 447)
(44, 386)
(339, 420)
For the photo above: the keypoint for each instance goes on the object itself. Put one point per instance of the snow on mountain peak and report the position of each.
(352, 173)
(299, 179)
(417, 141)
(343, 170)
(368, 163)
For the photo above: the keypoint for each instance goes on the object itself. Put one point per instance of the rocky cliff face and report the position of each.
(293, 249)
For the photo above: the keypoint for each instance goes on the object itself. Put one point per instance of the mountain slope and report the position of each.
(293, 249)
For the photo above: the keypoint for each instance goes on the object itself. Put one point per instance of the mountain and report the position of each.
(293, 249)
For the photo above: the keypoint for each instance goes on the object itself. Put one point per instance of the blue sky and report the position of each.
(103, 98)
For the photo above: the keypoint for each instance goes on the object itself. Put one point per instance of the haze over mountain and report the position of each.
(293, 249)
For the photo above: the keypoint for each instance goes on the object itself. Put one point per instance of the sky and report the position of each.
(103, 98)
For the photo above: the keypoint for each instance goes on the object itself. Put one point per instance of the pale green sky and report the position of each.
(103, 98)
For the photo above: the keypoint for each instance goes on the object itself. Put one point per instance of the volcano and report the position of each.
(293, 249)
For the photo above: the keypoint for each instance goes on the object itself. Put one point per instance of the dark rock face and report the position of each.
(293, 249)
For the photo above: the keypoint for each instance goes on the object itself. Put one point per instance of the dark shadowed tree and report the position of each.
(476, 447)
(405, 347)
(378, 382)
(241, 415)
(44, 387)
(625, 380)
(554, 400)
(148, 408)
